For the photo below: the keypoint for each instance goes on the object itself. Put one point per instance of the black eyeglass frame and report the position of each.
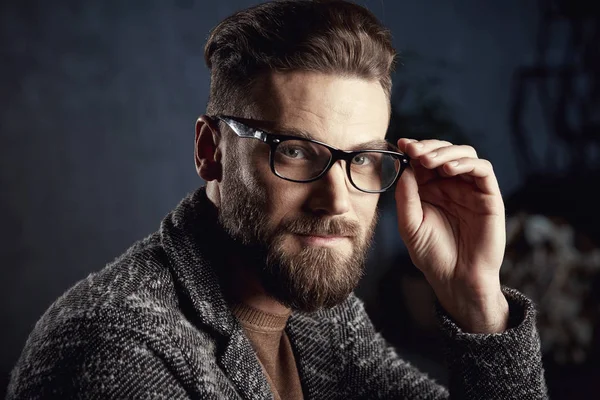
(273, 140)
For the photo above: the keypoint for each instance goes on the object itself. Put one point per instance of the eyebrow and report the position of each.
(376, 144)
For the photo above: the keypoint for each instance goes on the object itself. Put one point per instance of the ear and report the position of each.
(207, 153)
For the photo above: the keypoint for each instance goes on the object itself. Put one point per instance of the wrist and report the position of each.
(483, 316)
(484, 310)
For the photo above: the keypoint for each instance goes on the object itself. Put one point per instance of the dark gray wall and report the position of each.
(98, 103)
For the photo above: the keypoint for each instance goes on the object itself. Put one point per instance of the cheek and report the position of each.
(254, 167)
(366, 209)
(286, 199)
(282, 198)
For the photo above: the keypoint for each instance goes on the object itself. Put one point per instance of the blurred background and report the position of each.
(98, 102)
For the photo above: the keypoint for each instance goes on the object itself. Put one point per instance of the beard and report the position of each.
(308, 279)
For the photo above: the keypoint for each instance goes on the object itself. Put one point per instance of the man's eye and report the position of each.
(361, 159)
(292, 152)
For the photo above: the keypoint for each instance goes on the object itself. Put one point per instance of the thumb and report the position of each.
(408, 204)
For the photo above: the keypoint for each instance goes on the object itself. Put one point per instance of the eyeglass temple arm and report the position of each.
(244, 131)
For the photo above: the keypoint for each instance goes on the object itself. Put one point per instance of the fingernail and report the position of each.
(432, 155)
(419, 145)
(453, 163)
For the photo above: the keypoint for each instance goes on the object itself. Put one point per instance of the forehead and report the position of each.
(340, 111)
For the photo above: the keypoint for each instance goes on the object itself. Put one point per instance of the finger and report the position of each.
(442, 155)
(423, 174)
(408, 205)
(403, 142)
(467, 178)
(416, 148)
(480, 170)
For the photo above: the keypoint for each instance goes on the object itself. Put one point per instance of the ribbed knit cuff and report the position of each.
(501, 365)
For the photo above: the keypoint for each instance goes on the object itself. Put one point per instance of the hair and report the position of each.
(326, 36)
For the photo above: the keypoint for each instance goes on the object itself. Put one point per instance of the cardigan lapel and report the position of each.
(186, 234)
(238, 355)
(315, 341)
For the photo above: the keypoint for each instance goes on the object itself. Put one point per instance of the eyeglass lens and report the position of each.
(301, 160)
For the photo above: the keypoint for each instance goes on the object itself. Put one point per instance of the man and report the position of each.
(246, 289)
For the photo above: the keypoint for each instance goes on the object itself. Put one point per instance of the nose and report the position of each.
(331, 195)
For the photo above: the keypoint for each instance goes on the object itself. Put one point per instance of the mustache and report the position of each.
(309, 225)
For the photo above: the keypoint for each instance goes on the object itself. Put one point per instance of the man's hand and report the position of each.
(451, 218)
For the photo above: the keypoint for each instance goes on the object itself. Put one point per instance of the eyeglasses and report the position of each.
(306, 160)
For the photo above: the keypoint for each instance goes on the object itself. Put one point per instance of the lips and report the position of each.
(325, 228)
(325, 235)
(322, 240)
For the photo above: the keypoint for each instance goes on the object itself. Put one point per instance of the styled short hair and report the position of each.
(326, 36)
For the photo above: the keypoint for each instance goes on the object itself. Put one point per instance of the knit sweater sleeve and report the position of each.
(101, 356)
(506, 365)
(495, 366)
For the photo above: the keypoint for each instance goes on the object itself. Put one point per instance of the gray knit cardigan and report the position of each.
(154, 324)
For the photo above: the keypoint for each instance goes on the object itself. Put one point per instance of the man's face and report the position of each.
(311, 238)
